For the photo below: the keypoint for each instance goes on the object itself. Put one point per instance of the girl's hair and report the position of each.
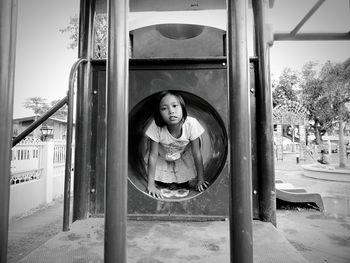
(156, 111)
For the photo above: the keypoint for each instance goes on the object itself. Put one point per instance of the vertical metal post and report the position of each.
(266, 190)
(8, 28)
(68, 164)
(83, 120)
(241, 238)
(117, 133)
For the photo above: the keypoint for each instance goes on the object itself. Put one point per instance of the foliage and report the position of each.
(337, 84)
(100, 34)
(324, 94)
(73, 30)
(285, 89)
(39, 106)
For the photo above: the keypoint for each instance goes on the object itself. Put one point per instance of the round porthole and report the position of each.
(213, 141)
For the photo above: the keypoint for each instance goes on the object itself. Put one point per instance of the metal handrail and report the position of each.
(39, 121)
(69, 100)
(68, 164)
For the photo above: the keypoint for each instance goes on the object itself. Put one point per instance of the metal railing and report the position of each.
(39, 121)
(69, 100)
(68, 167)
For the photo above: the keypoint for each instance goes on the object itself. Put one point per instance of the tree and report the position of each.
(325, 92)
(100, 34)
(37, 104)
(285, 89)
(336, 78)
(73, 30)
(314, 99)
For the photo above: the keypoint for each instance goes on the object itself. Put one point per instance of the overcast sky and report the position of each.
(43, 61)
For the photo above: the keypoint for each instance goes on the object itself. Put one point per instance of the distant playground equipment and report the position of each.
(288, 193)
(294, 114)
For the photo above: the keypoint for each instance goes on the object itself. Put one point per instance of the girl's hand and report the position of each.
(201, 185)
(154, 191)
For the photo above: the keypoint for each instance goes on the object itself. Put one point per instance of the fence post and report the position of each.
(47, 165)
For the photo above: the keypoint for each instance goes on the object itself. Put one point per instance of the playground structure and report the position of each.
(113, 95)
(287, 192)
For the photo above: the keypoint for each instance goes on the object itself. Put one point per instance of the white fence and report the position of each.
(37, 174)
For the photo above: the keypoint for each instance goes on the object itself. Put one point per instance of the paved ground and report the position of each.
(33, 229)
(318, 236)
(165, 242)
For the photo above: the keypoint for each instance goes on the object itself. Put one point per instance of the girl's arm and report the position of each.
(152, 161)
(198, 161)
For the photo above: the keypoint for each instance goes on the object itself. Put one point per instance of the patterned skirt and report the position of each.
(179, 171)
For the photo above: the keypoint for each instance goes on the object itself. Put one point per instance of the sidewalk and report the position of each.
(30, 231)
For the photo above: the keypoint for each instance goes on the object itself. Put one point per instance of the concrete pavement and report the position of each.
(168, 242)
(317, 236)
(29, 231)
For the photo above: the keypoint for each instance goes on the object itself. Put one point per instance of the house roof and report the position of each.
(29, 118)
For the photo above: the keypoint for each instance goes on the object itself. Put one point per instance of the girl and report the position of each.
(175, 157)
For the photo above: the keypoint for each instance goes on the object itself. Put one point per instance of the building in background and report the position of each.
(58, 126)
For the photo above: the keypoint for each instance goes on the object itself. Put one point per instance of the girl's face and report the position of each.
(170, 110)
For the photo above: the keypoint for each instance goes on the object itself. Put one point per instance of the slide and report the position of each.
(287, 192)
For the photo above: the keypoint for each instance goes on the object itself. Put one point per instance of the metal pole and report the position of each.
(117, 133)
(241, 238)
(8, 28)
(321, 36)
(82, 161)
(266, 191)
(307, 17)
(68, 165)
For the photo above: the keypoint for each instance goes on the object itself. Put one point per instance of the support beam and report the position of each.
(311, 36)
(117, 133)
(8, 30)
(241, 237)
(266, 178)
(82, 162)
(307, 17)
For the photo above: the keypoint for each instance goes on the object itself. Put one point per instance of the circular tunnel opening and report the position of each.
(213, 141)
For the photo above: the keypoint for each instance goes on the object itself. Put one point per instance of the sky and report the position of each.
(43, 61)
(332, 16)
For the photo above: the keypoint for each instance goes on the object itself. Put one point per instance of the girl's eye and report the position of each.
(162, 108)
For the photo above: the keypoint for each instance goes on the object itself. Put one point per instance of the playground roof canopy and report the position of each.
(290, 20)
(310, 19)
